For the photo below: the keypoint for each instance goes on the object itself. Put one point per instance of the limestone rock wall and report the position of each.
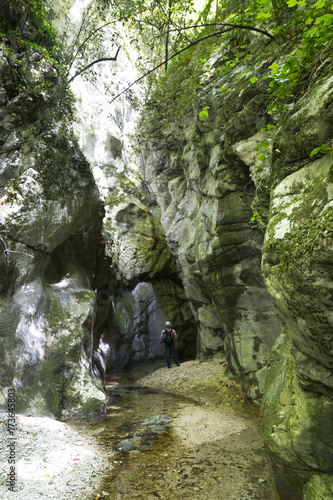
(253, 249)
(50, 222)
(297, 265)
(143, 290)
(201, 175)
(141, 287)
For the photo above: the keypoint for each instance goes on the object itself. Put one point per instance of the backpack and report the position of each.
(168, 337)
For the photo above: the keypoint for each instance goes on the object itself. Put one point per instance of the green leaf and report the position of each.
(253, 80)
(264, 15)
(326, 18)
(315, 151)
(292, 3)
(274, 67)
(302, 3)
(320, 4)
(203, 115)
(255, 216)
(261, 157)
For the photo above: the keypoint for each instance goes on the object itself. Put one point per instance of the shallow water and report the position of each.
(129, 404)
(161, 465)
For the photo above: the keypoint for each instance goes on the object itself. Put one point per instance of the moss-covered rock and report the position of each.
(49, 219)
(297, 265)
(319, 487)
(206, 192)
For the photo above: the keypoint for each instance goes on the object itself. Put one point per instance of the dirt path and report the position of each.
(212, 449)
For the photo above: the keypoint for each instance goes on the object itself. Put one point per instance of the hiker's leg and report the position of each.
(174, 353)
(167, 354)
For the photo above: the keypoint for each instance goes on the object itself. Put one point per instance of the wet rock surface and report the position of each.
(125, 445)
(50, 221)
(156, 420)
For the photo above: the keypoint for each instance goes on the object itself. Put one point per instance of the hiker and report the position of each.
(168, 335)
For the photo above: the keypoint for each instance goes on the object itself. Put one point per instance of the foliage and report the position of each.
(175, 91)
(324, 148)
(256, 221)
(307, 23)
(29, 21)
(263, 146)
(203, 115)
(159, 30)
(312, 26)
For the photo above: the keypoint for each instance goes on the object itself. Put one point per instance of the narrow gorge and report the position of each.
(204, 198)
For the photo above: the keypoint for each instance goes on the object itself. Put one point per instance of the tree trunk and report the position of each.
(167, 36)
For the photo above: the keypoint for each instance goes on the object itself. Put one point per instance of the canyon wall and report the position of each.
(50, 218)
(175, 221)
(252, 240)
(200, 174)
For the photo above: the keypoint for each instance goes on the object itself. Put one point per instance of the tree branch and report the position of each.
(233, 26)
(102, 59)
(25, 17)
(6, 251)
(4, 4)
(167, 36)
(87, 39)
(171, 57)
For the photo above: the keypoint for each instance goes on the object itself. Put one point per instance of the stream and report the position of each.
(159, 444)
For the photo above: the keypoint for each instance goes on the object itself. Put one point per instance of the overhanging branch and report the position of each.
(169, 58)
(82, 44)
(230, 28)
(102, 59)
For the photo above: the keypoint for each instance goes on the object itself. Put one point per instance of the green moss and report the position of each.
(56, 312)
(296, 424)
(311, 227)
(309, 235)
(274, 385)
(319, 487)
(124, 313)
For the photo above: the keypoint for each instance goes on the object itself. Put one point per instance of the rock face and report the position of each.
(214, 211)
(239, 259)
(200, 175)
(142, 288)
(50, 221)
(297, 265)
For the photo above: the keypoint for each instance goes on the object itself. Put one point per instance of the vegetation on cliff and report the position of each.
(175, 38)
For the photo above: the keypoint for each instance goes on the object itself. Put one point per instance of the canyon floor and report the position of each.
(211, 448)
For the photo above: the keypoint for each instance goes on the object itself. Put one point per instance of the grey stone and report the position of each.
(157, 420)
(124, 446)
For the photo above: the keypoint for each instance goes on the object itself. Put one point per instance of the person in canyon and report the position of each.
(168, 336)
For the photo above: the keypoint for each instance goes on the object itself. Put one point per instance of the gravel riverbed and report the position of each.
(213, 448)
(53, 461)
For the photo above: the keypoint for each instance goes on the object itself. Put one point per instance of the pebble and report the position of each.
(157, 420)
(124, 446)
